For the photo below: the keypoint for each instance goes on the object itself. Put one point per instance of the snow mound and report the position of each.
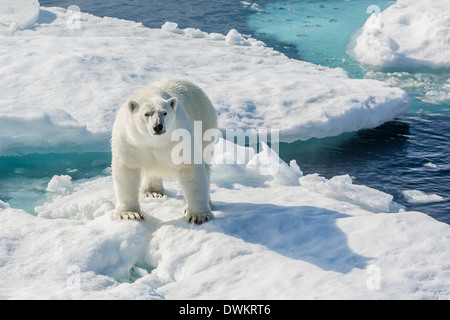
(82, 206)
(24, 129)
(60, 184)
(63, 259)
(238, 164)
(18, 14)
(408, 34)
(342, 188)
(235, 38)
(251, 86)
(417, 196)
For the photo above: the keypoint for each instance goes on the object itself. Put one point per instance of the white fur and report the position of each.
(141, 158)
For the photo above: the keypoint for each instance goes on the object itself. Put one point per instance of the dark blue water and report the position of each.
(390, 158)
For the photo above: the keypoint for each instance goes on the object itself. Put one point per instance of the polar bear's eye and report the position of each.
(149, 114)
(165, 114)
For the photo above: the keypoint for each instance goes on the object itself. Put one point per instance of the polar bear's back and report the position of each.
(194, 100)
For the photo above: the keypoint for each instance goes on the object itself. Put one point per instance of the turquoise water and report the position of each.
(23, 179)
(390, 158)
(320, 30)
(323, 33)
(393, 157)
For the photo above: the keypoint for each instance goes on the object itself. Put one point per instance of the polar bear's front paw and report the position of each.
(197, 218)
(153, 194)
(128, 216)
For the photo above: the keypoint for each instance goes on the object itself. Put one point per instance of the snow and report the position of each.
(103, 61)
(342, 188)
(60, 184)
(18, 14)
(430, 165)
(417, 196)
(278, 233)
(408, 34)
(25, 129)
(235, 38)
(271, 239)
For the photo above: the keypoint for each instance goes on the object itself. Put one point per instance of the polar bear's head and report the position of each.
(155, 116)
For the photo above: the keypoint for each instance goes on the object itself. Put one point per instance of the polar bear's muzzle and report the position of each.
(159, 129)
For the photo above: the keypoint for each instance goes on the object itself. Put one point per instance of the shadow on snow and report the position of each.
(304, 233)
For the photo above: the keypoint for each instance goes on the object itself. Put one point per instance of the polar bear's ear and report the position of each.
(173, 102)
(132, 105)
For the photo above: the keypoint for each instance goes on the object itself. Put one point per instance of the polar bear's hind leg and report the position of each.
(151, 186)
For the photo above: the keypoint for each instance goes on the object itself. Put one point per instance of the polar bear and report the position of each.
(142, 147)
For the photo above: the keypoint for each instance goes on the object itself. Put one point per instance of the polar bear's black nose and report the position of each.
(158, 128)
